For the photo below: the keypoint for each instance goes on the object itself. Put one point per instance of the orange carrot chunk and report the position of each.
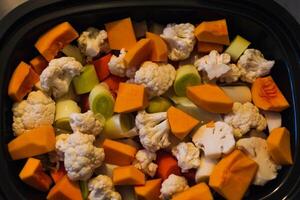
(167, 165)
(39, 63)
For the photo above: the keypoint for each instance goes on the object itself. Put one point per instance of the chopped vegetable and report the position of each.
(237, 47)
(84, 189)
(86, 81)
(149, 191)
(159, 48)
(158, 104)
(113, 82)
(199, 191)
(73, 51)
(58, 174)
(167, 165)
(240, 94)
(273, 120)
(206, 47)
(38, 63)
(128, 175)
(101, 67)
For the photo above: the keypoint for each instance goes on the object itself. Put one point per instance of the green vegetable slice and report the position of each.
(84, 189)
(73, 51)
(237, 47)
(86, 81)
(158, 104)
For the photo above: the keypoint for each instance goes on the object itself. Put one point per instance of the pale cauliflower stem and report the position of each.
(244, 117)
(87, 122)
(254, 65)
(102, 188)
(257, 149)
(233, 75)
(81, 157)
(172, 185)
(56, 78)
(215, 141)
(144, 162)
(153, 130)
(37, 110)
(180, 40)
(187, 155)
(156, 77)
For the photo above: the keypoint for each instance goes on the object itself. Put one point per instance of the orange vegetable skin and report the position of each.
(210, 97)
(55, 39)
(101, 67)
(38, 63)
(200, 192)
(149, 191)
(167, 165)
(128, 175)
(22, 81)
(279, 146)
(130, 98)
(180, 130)
(206, 47)
(33, 175)
(65, 189)
(213, 31)
(120, 34)
(267, 96)
(232, 176)
(118, 153)
(159, 51)
(58, 174)
(34, 142)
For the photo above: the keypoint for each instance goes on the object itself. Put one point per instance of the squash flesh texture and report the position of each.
(38, 63)
(128, 175)
(207, 47)
(200, 192)
(149, 191)
(159, 51)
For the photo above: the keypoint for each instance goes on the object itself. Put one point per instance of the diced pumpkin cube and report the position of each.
(206, 47)
(128, 175)
(200, 192)
(159, 51)
(149, 191)
(38, 63)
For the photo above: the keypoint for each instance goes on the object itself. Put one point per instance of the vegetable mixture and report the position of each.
(140, 111)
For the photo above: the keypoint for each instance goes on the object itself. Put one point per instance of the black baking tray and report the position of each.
(268, 26)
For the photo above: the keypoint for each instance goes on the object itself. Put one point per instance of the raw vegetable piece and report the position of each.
(273, 120)
(65, 189)
(130, 98)
(206, 47)
(128, 175)
(279, 146)
(200, 192)
(58, 174)
(101, 67)
(158, 104)
(22, 81)
(240, 94)
(159, 48)
(84, 102)
(33, 175)
(187, 75)
(210, 97)
(73, 51)
(113, 82)
(38, 63)
(106, 169)
(86, 81)
(55, 39)
(149, 191)
(120, 34)
(237, 47)
(267, 96)
(36, 141)
(84, 189)
(167, 165)
(180, 122)
(213, 31)
(138, 53)
(232, 176)
(118, 153)
(140, 29)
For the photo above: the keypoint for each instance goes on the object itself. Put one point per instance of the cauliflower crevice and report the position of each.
(172, 185)
(102, 188)
(144, 162)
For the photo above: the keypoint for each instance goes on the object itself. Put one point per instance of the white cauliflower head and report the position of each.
(180, 40)
(56, 78)
(156, 77)
(37, 110)
(60, 146)
(206, 167)
(215, 141)
(244, 117)
(257, 149)
(172, 185)
(144, 162)
(233, 75)
(101, 188)
(153, 130)
(187, 155)
(254, 65)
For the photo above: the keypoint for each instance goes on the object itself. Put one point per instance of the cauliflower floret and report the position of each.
(87, 123)
(56, 78)
(37, 110)
(60, 146)
(257, 149)
(143, 161)
(153, 130)
(188, 156)
(180, 40)
(254, 65)
(156, 77)
(215, 141)
(206, 167)
(244, 117)
(232, 75)
(93, 41)
(172, 185)
(101, 188)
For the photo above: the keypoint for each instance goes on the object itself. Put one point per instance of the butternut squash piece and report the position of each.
(120, 34)
(200, 192)
(149, 191)
(130, 98)
(118, 153)
(33, 175)
(65, 189)
(22, 81)
(213, 31)
(279, 146)
(267, 96)
(232, 176)
(139, 53)
(206, 47)
(159, 51)
(55, 39)
(128, 175)
(34, 142)
(210, 97)
(180, 130)
(38, 63)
